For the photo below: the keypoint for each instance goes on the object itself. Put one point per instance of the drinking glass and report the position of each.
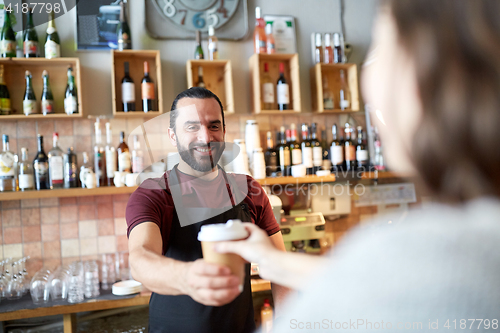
(39, 287)
(59, 284)
(76, 282)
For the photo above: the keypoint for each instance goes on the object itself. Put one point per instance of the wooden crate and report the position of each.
(218, 78)
(14, 70)
(332, 74)
(136, 60)
(291, 61)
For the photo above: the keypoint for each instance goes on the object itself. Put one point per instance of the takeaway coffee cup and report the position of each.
(229, 231)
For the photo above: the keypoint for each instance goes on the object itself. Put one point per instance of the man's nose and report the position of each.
(204, 134)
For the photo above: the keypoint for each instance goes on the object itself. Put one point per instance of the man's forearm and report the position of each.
(280, 293)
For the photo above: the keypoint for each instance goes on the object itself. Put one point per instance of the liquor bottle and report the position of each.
(137, 156)
(7, 167)
(295, 152)
(123, 30)
(200, 83)
(267, 89)
(259, 35)
(147, 90)
(271, 157)
(4, 95)
(317, 150)
(307, 155)
(328, 52)
(99, 157)
(337, 49)
(25, 176)
(52, 41)
(71, 94)
(349, 149)
(266, 317)
(111, 162)
(41, 167)
(283, 90)
(362, 161)
(70, 169)
(327, 163)
(29, 101)
(379, 157)
(318, 50)
(345, 95)
(7, 38)
(30, 38)
(47, 97)
(284, 154)
(198, 51)
(328, 102)
(213, 44)
(56, 164)
(123, 155)
(128, 90)
(270, 41)
(342, 49)
(86, 166)
(336, 151)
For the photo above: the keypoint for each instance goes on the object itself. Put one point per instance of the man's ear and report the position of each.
(172, 137)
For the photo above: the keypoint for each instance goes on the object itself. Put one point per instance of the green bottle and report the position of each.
(71, 95)
(7, 39)
(123, 30)
(30, 38)
(198, 52)
(29, 102)
(52, 42)
(47, 97)
(4, 95)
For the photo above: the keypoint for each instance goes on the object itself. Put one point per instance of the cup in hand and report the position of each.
(230, 231)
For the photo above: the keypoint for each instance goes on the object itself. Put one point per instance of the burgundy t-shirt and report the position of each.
(153, 202)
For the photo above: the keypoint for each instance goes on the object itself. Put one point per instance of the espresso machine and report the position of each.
(302, 233)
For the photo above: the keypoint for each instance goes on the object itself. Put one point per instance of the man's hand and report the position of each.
(210, 284)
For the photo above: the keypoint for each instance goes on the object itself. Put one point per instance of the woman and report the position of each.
(433, 76)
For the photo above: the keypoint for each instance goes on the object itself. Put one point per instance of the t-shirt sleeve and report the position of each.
(261, 207)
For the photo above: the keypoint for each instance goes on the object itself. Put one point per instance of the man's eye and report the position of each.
(215, 127)
(191, 128)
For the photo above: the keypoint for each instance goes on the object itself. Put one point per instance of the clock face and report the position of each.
(192, 15)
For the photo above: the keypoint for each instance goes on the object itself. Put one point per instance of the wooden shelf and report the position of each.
(384, 175)
(62, 193)
(136, 114)
(260, 285)
(40, 116)
(296, 180)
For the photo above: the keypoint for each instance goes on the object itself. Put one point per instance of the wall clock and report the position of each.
(179, 19)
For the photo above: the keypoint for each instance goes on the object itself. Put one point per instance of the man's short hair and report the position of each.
(193, 92)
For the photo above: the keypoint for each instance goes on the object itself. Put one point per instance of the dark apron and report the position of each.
(181, 313)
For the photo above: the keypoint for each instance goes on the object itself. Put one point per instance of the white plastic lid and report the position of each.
(258, 14)
(211, 31)
(269, 29)
(319, 40)
(336, 39)
(231, 230)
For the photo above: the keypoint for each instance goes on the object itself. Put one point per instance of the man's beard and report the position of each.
(205, 163)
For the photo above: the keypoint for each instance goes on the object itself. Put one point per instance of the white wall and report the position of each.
(311, 15)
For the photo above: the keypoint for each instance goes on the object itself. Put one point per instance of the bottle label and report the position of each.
(148, 90)
(70, 105)
(47, 106)
(41, 168)
(128, 92)
(350, 153)
(7, 165)
(52, 49)
(337, 155)
(262, 45)
(50, 30)
(284, 157)
(283, 94)
(361, 155)
(271, 48)
(30, 47)
(98, 165)
(56, 169)
(5, 106)
(344, 104)
(212, 47)
(307, 156)
(268, 93)
(29, 107)
(124, 42)
(124, 162)
(317, 156)
(111, 166)
(26, 181)
(328, 103)
(7, 46)
(296, 156)
(137, 164)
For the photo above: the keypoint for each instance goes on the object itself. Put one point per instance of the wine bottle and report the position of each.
(29, 101)
(124, 164)
(111, 162)
(52, 41)
(307, 155)
(259, 35)
(30, 38)
(128, 90)
(200, 83)
(213, 44)
(25, 176)
(71, 94)
(70, 169)
(336, 152)
(5, 108)
(7, 38)
(295, 151)
(7, 167)
(362, 161)
(318, 50)
(349, 149)
(137, 156)
(317, 150)
(328, 52)
(123, 30)
(284, 154)
(99, 157)
(283, 90)
(270, 41)
(86, 166)
(345, 95)
(198, 51)
(41, 167)
(327, 163)
(47, 97)
(337, 49)
(271, 157)
(328, 103)
(267, 89)
(56, 164)
(147, 90)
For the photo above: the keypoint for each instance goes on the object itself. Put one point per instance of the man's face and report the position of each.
(199, 133)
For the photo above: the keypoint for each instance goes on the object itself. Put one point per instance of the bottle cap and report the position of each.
(266, 67)
(282, 67)
(5, 138)
(258, 13)
(211, 31)
(55, 135)
(231, 230)
(336, 39)
(45, 73)
(28, 73)
(328, 39)
(319, 40)
(269, 29)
